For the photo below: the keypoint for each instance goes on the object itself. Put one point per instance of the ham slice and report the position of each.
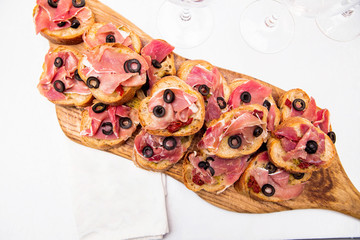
(65, 74)
(144, 139)
(322, 120)
(107, 65)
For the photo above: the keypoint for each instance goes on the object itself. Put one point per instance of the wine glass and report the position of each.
(185, 23)
(341, 22)
(267, 26)
(307, 8)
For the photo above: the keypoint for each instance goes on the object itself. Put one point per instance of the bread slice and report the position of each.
(291, 95)
(115, 98)
(66, 36)
(277, 152)
(91, 34)
(167, 67)
(72, 99)
(162, 165)
(262, 162)
(224, 150)
(173, 82)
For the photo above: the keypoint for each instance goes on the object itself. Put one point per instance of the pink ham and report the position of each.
(322, 120)
(144, 139)
(201, 76)
(230, 169)
(179, 110)
(65, 74)
(107, 65)
(112, 115)
(48, 17)
(309, 113)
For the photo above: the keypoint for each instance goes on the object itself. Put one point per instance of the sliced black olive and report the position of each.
(234, 141)
(311, 147)
(210, 159)
(147, 152)
(78, 5)
(299, 104)
(110, 38)
(332, 136)
(298, 175)
(59, 86)
(75, 23)
(267, 104)
(268, 190)
(270, 167)
(61, 24)
(245, 97)
(168, 96)
(107, 128)
(221, 102)
(125, 122)
(204, 90)
(77, 76)
(53, 3)
(93, 82)
(129, 66)
(159, 111)
(258, 131)
(99, 107)
(212, 171)
(202, 164)
(58, 62)
(169, 143)
(156, 63)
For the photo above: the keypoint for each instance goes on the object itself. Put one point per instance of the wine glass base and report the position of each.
(182, 33)
(267, 26)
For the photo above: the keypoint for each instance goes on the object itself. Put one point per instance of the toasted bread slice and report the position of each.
(224, 150)
(277, 152)
(166, 83)
(167, 67)
(115, 98)
(291, 95)
(217, 182)
(72, 99)
(164, 164)
(68, 35)
(124, 31)
(262, 169)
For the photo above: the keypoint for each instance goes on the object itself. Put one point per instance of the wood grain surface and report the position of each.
(327, 189)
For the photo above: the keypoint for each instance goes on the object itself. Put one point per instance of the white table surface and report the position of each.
(35, 201)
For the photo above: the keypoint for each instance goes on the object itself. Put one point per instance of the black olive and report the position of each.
(169, 143)
(58, 62)
(210, 159)
(311, 147)
(168, 96)
(202, 164)
(147, 152)
(75, 23)
(245, 97)
(299, 104)
(93, 82)
(212, 171)
(298, 175)
(156, 63)
(99, 107)
(109, 126)
(204, 90)
(128, 66)
(234, 141)
(53, 3)
(257, 131)
(159, 111)
(270, 167)
(61, 24)
(78, 5)
(59, 86)
(77, 76)
(332, 136)
(110, 38)
(221, 102)
(268, 190)
(125, 122)
(267, 104)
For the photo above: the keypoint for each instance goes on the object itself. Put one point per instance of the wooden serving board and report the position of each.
(328, 189)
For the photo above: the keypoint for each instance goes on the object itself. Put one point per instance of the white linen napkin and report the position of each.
(113, 199)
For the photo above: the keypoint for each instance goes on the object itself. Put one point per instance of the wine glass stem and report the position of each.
(271, 21)
(185, 15)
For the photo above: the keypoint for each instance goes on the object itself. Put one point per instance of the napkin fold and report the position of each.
(113, 199)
